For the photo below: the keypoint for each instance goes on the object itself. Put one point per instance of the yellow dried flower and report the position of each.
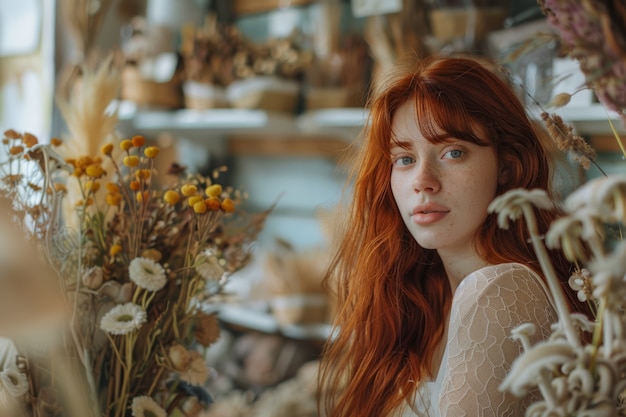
(5, 141)
(92, 186)
(142, 196)
(143, 174)
(107, 149)
(112, 187)
(78, 172)
(138, 141)
(12, 134)
(189, 190)
(81, 203)
(213, 204)
(30, 140)
(113, 199)
(153, 254)
(200, 207)
(115, 249)
(131, 161)
(171, 197)
(56, 142)
(228, 205)
(94, 171)
(151, 151)
(135, 185)
(126, 144)
(16, 150)
(194, 199)
(213, 190)
(85, 161)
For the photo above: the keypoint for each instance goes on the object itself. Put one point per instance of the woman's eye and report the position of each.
(403, 161)
(454, 154)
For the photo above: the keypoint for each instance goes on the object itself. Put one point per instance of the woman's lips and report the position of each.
(426, 214)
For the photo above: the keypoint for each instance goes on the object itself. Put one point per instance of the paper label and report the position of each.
(363, 8)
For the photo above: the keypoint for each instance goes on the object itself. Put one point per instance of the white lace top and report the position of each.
(486, 306)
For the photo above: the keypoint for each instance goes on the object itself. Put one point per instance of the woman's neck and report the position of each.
(459, 265)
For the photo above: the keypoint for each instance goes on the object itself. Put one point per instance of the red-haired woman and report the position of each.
(429, 288)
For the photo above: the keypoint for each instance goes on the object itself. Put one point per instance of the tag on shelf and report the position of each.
(363, 8)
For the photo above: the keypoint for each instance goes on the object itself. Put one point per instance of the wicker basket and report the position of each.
(265, 93)
(166, 95)
(326, 98)
(202, 96)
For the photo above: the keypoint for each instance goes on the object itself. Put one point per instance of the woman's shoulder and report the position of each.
(500, 279)
(500, 273)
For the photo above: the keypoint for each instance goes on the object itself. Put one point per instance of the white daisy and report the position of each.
(14, 382)
(147, 274)
(144, 406)
(208, 266)
(123, 319)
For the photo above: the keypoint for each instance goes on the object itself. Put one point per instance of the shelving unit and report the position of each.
(208, 126)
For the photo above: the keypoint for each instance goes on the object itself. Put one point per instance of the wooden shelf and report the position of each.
(317, 133)
(242, 7)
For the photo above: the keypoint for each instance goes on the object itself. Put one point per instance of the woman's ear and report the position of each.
(504, 174)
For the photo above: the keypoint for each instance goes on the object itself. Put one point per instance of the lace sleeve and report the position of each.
(486, 307)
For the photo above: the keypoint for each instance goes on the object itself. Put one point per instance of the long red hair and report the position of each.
(393, 295)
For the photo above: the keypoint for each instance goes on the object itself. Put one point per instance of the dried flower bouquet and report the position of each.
(136, 264)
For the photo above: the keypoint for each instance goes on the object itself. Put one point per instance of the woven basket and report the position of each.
(167, 95)
(326, 98)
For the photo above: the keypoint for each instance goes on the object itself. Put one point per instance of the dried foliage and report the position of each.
(135, 276)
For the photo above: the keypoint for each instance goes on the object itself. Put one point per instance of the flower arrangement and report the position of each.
(581, 369)
(137, 264)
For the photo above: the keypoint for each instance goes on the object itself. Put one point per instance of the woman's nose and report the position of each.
(426, 179)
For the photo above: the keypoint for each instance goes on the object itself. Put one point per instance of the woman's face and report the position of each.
(442, 190)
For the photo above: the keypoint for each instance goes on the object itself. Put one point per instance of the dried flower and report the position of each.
(562, 134)
(207, 329)
(95, 171)
(189, 190)
(153, 254)
(179, 357)
(14, 382)
(29, 140)
(131, 161)
(213, 204)
(145, 406)
(107, 149)
(147, 274)
(126, 145)
(115, 249)
(123, 319)
(199, 207)
(16, 150)
(194, 199)
(138, 141)
(92, 278)
(197, 372)
(171, 197)
(151, 152)
(213, 190)
(208, 266)
(580, 281)
(228, 205)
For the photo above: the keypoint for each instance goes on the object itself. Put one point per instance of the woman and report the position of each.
(429, 288)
